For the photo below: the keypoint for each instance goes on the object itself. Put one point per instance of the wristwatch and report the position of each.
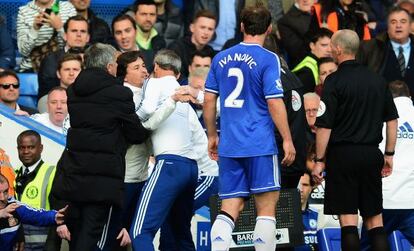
(391, 153)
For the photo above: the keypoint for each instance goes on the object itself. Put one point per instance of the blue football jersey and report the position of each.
(244, 76)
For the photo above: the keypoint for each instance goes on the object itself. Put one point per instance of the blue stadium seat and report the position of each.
(329, 239)
(28, 89)
(398, 242)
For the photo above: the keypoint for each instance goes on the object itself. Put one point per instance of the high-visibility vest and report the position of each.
(332, 21)
(312, 64)
(36, 193)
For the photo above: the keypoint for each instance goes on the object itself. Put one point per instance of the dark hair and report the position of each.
(7, 73)
(320, 33)
(398, 9)
(204, 13)
(201, 54)
(124, 60)
(75, 18)
(123, 17)
(399, 88)
(69, 57)
(255, 20)
(28, 133)
(325, 60)
(311, 181)
(142, 2)
(271, 44)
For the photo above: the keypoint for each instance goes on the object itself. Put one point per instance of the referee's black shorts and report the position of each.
(353, 180)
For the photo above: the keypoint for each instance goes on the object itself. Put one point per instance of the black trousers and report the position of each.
(86, 224)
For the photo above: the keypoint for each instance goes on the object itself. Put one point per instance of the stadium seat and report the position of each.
(398, 242)
(329, 239)
(28, 89)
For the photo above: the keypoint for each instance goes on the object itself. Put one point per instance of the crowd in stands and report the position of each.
(52, 40)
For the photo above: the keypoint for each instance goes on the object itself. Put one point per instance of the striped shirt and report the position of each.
(28, 37)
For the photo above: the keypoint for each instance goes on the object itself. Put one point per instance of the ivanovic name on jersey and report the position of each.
(248, 59)
(245, 76)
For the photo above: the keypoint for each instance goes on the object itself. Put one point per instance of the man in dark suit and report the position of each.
(391, 54)
(9, 91)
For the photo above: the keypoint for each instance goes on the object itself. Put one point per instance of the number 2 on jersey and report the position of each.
(232, 101)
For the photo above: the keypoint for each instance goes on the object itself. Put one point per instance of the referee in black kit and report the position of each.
(355, 102)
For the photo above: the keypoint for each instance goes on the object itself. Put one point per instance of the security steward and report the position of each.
(355, 103)
(308, 70)
(33, 184)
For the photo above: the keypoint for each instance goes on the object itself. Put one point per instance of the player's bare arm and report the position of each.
(277, 110)
(209, 113)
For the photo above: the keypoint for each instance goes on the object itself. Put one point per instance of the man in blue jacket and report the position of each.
(13, 213)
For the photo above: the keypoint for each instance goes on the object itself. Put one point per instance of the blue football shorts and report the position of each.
(240, 177)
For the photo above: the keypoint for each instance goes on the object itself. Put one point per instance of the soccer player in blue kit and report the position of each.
(247, 79)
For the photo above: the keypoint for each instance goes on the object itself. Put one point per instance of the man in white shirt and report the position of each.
(169, 192)
(397, 189)
(132, 70)
(57, 110)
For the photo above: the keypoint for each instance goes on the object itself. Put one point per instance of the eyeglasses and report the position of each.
(314, 110)
(7, 86)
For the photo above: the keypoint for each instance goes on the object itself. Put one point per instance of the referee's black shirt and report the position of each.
(355, 102)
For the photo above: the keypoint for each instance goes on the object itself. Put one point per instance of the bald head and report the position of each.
(347, 40)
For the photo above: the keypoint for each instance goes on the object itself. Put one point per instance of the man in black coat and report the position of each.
(202, 31)
(90, 173)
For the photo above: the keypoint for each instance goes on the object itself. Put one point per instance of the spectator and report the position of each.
(202, 30)
(390, 55)
(98, 29)
(12, 213)
(341, 14)
(7, 170)
(307, 69)
(148, 39)
(125, 32)
(170, 22)
(398, 213)
(228, 19)
(101, 113)
(349, 15)
(197, 80)
(68, 68)
(7, 51)
(9, 91)
(57, 110)
(35, 27)
(351, 127)
(76, 36)
(199, 59)
(408, 5)
(326, 66)
(312, 104)
(295, 27)
(309, 215)
(33, 183)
